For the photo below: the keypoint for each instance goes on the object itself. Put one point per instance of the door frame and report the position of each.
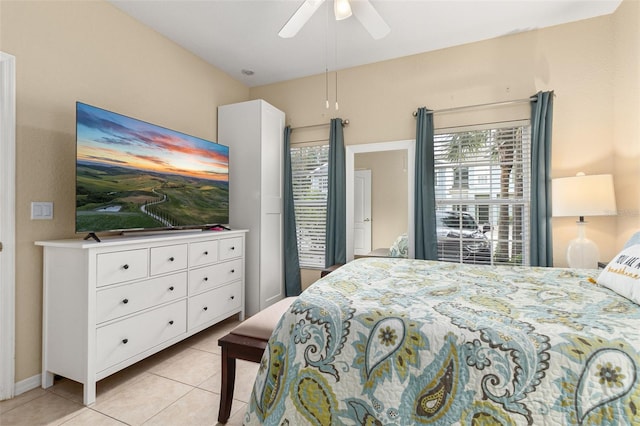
(7, 223)
(350, 151)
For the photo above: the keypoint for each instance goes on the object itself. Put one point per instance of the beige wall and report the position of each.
(88, 51)
(626, 117)
(592, 66)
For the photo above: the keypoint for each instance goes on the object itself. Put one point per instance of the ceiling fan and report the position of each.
(362, 9)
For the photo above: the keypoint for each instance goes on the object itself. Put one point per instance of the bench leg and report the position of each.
(226, 388)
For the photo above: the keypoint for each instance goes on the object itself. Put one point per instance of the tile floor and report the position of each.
(179, 386)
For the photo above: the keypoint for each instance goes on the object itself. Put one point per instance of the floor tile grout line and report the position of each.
(99, 412)
(170, 405)
(24, 403)
(184, 383)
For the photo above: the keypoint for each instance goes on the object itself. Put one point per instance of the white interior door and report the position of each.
(362, 212)
(7, 224)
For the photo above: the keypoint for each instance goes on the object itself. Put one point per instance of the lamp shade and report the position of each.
(583, 195)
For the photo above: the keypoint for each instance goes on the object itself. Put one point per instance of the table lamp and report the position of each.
(581, 196)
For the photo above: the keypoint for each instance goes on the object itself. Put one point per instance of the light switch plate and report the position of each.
(41, 210)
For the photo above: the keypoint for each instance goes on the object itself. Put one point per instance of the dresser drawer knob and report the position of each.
(125, 301)
(232, 248)
(171, 322)
(125, 341)
(205, 308)
(171, 259)
(233, 271)
(232, 297)
(125, 266)
(206, 278)
(171, 288)
(206, 253)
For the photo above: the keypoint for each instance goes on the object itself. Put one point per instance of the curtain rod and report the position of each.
(344, 123)
(516, 101)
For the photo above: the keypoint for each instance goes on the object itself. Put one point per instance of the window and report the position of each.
(309, 169)
(482, 193)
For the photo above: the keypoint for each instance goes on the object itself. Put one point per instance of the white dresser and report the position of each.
(108, 305)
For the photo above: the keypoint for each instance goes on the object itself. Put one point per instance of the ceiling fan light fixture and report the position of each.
(341, 9)
(363, 10)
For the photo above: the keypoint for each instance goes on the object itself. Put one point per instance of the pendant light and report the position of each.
(326, 86)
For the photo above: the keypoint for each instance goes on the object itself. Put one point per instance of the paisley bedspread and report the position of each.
(409, 342)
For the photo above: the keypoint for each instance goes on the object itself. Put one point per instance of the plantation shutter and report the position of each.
(482, 182)
(309, 168)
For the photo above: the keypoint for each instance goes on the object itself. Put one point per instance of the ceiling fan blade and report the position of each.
(299, 18)
(370, 18)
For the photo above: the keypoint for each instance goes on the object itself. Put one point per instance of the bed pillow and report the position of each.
(400, 247)
(622, 274)
(635, 239)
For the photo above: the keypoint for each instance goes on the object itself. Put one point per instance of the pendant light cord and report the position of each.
(326, 60)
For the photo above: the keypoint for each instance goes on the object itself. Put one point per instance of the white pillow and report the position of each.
(622, 274)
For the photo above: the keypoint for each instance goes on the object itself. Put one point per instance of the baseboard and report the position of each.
(27, 384)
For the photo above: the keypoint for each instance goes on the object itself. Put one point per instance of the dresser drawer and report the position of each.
(115, 302)
(168, 259)
(230, 248)
(121, 266)
(207, 306)
(203, 253)
(123, 339)
(209, 277)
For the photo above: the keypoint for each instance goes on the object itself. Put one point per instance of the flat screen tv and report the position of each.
(132, 175)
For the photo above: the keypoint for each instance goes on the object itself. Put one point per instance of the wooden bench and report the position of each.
(247, 342)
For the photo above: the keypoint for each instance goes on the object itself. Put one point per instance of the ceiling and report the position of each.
(237, 35)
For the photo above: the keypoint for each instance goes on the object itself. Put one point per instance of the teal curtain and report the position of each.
(541, 245)
(426, 244)
(336, 233)
(292, 281)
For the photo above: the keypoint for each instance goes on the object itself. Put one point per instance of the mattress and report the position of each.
(388, 341)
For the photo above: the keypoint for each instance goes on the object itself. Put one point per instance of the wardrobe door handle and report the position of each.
(171, 322)
(125, 301)
(125, 341)
(171, 259)
(171, 288)
(125, 266)
(205, 308)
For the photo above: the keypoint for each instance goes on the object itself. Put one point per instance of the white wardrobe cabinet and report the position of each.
(254, 132)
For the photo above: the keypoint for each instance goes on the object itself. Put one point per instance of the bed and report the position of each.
(392, 341)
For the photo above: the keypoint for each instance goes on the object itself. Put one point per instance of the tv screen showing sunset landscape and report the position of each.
(134, 175)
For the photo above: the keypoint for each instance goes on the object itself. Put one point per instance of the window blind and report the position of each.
(483, 193)
(309, 169)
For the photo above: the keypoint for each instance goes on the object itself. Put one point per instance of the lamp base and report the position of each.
(582, 252)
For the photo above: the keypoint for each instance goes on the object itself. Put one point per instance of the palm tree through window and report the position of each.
(485, 174)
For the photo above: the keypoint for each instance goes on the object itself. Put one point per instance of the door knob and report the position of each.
(367, 220)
